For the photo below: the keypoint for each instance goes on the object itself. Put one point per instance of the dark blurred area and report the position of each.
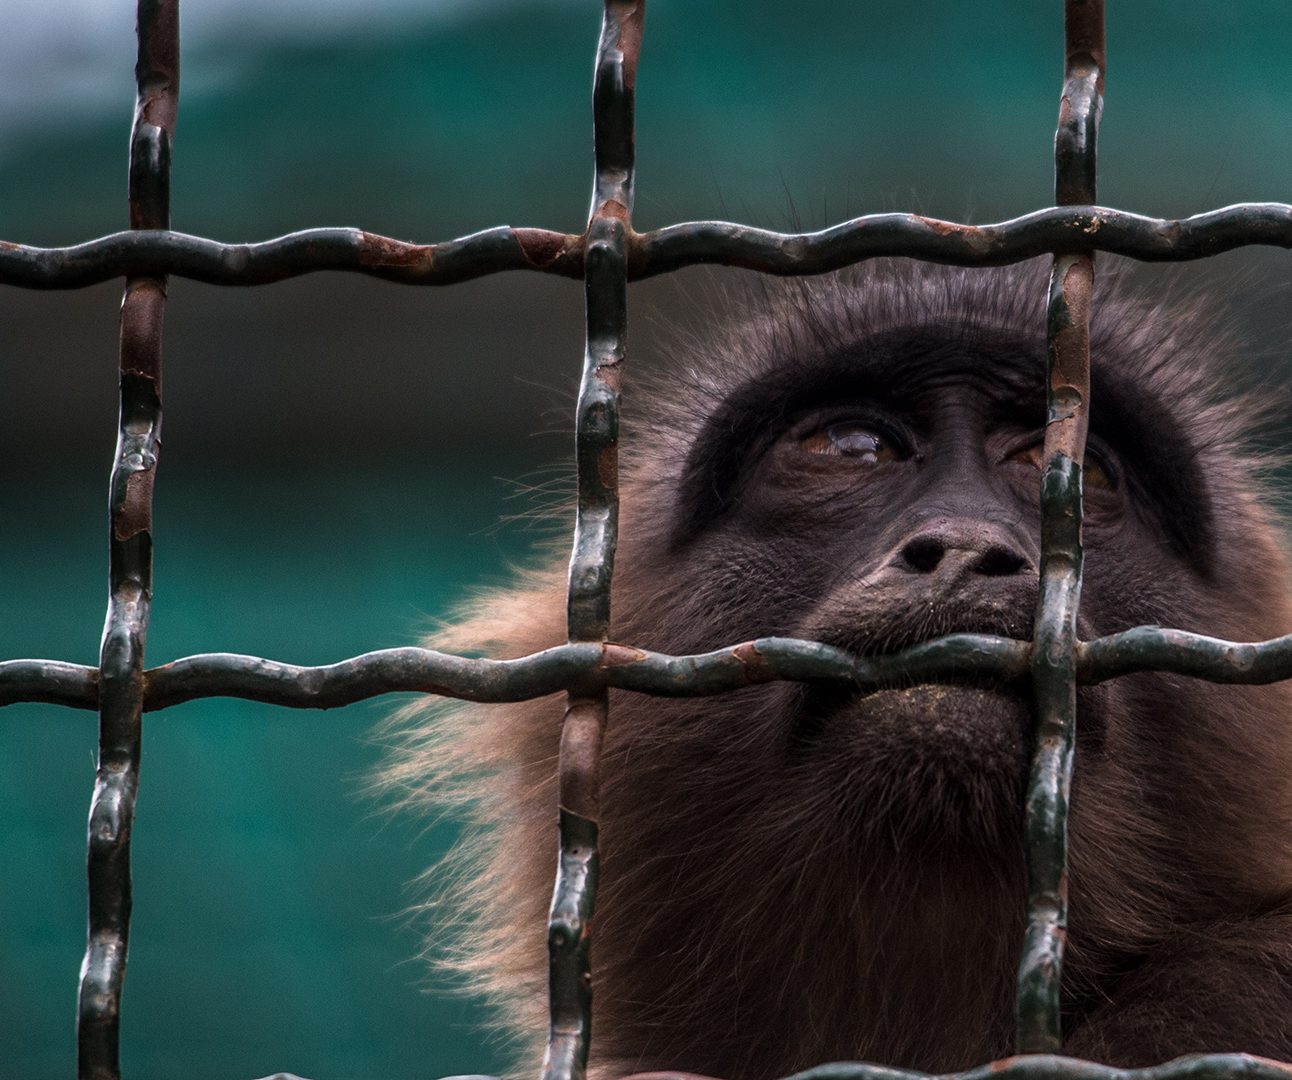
(338, 451)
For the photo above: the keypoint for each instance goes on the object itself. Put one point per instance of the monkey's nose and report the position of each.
(967, 547)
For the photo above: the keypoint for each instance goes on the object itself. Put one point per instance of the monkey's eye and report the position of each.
(850, 439)
(1093, 473)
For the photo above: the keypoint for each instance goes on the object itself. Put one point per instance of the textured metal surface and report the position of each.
(1046, 1067)
(590, 665)
(660, 251)
(607, 256)
(1030, 1067)
(958, 656)
(1054, 669)
(121, 682)
(605, 266)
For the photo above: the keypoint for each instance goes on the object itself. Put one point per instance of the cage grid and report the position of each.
(606, 256)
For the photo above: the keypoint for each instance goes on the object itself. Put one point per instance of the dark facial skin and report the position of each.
(797, 874)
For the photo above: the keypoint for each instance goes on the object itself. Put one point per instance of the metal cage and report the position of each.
(606, 256)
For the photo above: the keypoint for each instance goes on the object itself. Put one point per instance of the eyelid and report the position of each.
(884, 426)
(1099, 454)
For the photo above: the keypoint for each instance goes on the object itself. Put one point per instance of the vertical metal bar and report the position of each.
(595, 533)
(1053, 667)
(130, 557)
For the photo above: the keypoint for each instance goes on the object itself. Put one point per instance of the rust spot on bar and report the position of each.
(942, 228)
(608, 467)
(610, 373)
(1083, 33)
(613, 654)
(631, 17)
(159, 107)
(1070, 372)
(581, 732)
(142, 315)
(158, 99)
(136, 513)
(378, 250)
(756, 669)
(613, 208)
(543, 247)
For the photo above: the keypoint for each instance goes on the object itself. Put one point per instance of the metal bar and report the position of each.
(660, 251)
(1024, 1067)
(957, 656)
(596, 527)
(121, 682)
(1054, 674)
(964, 656)
(1042, 1067)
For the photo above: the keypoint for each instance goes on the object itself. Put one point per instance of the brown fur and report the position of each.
(766, 903)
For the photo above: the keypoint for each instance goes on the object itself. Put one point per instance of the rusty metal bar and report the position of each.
(1054, 667)
(121, 681)
(660, 251)
(605, 266)
(964, 656)
(957, 656)
(1023, 1067)
(1042, 1067)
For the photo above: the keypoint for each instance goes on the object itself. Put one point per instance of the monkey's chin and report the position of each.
(943, 762)
(947, 715)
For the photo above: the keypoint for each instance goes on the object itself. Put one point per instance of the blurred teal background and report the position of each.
(338, 452)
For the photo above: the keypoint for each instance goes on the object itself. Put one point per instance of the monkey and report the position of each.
(799, 873)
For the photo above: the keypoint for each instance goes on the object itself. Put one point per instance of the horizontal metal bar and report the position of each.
(582, 665)
(1045, 1067)
(591, 664)
(1021, 1067)
(1156, 648)
(1055, 229)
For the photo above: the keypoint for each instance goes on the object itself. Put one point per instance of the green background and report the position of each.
(338, 453)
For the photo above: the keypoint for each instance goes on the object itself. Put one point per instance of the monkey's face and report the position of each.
(882, 489)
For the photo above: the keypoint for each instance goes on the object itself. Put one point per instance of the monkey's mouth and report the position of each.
(988, 724)
(927, 732)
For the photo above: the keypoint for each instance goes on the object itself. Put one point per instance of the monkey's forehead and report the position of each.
(898, 326)
(900, 367)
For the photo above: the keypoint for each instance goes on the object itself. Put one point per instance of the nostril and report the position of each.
(923, 554)
(999, 562)
(957, 548)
